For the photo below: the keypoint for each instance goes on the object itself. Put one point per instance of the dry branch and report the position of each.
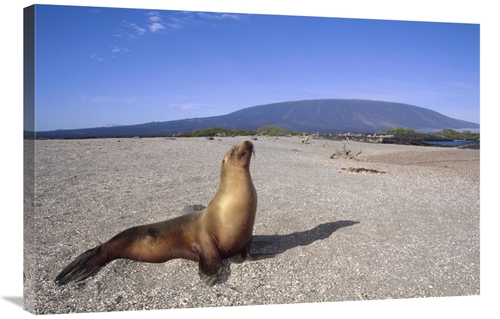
(344, 153)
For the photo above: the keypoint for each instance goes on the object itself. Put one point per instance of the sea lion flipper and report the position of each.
(210, 262)
(210, 280)
(82, 267)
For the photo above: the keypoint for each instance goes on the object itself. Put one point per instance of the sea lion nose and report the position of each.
(247, 144)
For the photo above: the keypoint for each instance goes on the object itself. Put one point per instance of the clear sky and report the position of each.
(109, 66)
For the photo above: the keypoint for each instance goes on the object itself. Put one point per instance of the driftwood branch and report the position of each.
(362, 170)
(344, 153)
(307, 139)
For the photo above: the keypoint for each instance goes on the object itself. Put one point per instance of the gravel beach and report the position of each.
(410, 231)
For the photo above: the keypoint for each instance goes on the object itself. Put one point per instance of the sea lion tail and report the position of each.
(82, 267)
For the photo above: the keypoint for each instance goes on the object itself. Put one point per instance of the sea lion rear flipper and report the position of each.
(82, 267)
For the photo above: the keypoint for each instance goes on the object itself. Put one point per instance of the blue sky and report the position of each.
(109, 66)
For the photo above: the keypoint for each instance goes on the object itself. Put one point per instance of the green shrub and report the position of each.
(400, 130)
(447, 132)
(271, 130)
(216, 130)
(464, 135)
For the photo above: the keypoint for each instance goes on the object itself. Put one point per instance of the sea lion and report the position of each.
(221, 230)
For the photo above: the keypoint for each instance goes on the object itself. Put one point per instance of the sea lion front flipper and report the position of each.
(210, 262)
(210, 280)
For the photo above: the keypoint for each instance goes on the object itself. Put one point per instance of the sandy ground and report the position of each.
(410, 232)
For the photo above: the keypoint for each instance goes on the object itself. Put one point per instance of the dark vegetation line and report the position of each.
(271, 130)
(447, 132)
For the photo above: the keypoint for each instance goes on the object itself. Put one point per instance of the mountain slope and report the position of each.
(345, 115)
(329, 116)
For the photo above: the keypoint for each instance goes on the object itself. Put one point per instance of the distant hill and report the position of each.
(324, 116)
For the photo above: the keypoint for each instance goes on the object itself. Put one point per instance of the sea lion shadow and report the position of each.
(278, 244)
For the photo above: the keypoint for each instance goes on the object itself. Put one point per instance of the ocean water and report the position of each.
(449, 143)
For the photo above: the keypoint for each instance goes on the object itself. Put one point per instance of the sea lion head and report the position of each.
(239, 155)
